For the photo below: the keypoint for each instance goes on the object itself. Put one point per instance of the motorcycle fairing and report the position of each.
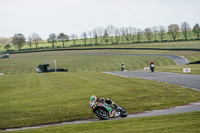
(112, 113)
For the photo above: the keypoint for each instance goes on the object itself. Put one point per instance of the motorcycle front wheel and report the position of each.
(123, 112)
(102, 113)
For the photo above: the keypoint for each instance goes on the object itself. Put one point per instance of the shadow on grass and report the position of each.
(196, 62)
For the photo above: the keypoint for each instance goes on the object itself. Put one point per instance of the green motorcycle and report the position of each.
(104, 110)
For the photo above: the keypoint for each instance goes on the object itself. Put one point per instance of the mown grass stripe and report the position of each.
(29, 98)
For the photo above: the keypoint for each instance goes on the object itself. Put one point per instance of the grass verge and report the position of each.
(195, 69)
(77, 61)
(30, 99)
(176, 123)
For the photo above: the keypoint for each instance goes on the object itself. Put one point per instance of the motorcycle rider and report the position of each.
(93, 98)
(152, 62)
(152, 66)
(122, 66)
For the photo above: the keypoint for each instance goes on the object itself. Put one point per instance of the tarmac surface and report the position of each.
(186, 80)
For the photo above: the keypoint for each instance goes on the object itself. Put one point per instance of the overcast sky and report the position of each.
(77, 16)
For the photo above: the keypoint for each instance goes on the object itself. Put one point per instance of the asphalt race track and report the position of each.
(186, 80)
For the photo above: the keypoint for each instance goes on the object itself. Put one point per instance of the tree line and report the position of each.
(111, 34)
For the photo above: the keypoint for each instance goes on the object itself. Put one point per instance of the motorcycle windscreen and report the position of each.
(92, 103)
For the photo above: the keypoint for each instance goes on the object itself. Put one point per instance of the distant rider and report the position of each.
(152, 66)
(152, 63)
(122, 66)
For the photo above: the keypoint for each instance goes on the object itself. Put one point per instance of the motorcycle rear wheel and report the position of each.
(102, 113)
(152, 69)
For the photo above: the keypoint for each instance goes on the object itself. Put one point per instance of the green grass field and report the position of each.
(30, 98)
(162, 45)
(177, 123)
(77, 61)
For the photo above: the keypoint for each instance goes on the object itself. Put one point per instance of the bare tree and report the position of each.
(111, 31)
(84, 37)
(52, 39)
(18, 40)
(161, 32)
(5, 40)
(155, 32)
(95, 36)
(127, 34)
(100, 31)
(132, 32)
(117, 35)
(196, 30)
(123, 32)
(173, 30)
(90, 36)
(36, 38)
(186, 30)
(139, 34)
(74, 38)
(63, 38)
(29, 41)
(106, 36)
(148, 34)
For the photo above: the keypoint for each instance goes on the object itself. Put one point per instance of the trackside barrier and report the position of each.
(146, 68)
(186, 70)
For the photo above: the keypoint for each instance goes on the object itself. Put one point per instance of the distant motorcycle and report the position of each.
(122, 68)
(152, 67)
(105, 111)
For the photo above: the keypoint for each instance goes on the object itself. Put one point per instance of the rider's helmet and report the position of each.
(93, 98)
